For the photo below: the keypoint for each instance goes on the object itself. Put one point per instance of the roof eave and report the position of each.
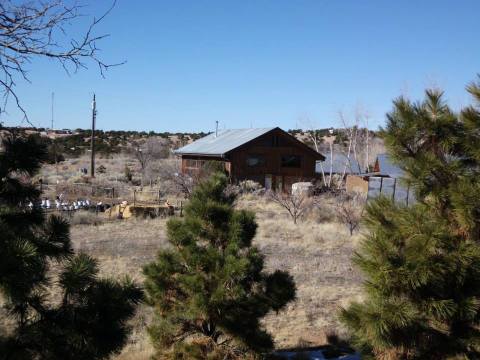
(198, 154)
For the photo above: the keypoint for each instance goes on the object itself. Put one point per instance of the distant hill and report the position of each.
(73, 143)
(76, 142)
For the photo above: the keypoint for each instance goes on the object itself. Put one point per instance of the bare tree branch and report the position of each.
(350, 211)
(152, 149)
(295, 204)
(30, 30)
(315, 136)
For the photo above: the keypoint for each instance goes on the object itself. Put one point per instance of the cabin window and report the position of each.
(194, 164)
(255, 160)
(291, 161)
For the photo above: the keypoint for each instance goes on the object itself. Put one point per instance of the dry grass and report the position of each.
(69, 170)
(67, 179)
(318, 255)
(83, 217)
(316, 252)
(122, 248)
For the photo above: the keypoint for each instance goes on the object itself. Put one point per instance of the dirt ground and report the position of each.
(316, 252)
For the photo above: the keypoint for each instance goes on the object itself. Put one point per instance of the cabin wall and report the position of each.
(270, 169)
(274, 160)
(194, 164)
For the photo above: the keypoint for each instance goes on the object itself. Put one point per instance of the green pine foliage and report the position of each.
(422, 263)
(87, 319)
(209, 289)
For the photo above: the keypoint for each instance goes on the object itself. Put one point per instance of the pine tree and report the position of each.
(89, 320)
(422, 263)
(209, 289)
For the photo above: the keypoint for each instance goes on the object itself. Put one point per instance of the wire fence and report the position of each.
(392, 188)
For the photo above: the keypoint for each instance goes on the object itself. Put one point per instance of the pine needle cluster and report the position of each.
(89, 319)
(209, 289)
(422, 263)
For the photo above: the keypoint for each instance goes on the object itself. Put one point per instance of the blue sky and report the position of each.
(259, 63)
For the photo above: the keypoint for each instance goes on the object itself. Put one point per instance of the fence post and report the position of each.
(181, 208)
(134, 196)
(394, 188)
(408, 192)
(158, 196)
(113, 193)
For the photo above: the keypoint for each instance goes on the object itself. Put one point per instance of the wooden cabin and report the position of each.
(270, 156)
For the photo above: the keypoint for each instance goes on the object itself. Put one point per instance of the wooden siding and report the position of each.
(269, 147)
(192, 164)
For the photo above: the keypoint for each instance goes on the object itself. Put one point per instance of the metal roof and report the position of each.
(339, 162)
(387, 167)
(223, 142)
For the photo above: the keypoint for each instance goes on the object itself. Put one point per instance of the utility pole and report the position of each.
(54, 139)
(92, 140)
(216, 128)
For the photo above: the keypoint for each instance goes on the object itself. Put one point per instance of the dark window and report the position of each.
(291, 161)
(255, 160)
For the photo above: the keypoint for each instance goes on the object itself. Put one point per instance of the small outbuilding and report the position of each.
(269, 156)
(385, 180)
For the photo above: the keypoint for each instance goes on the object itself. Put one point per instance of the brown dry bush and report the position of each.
(83, 217)
(350, 211)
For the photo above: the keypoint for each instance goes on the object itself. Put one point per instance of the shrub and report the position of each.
(249, 186)
(209, 289)
(83, 217)
(421, 262)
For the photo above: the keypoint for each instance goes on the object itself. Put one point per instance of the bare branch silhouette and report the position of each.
(31, 30)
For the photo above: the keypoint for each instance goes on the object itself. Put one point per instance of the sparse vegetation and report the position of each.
(122, 247)
(222, 275)
(316, 253)
(350, 211)
(295, 204)
(83, 217)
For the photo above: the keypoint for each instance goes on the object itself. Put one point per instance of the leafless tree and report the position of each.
(184, 184)
(330, 144)
(175, 181)
(154, 148)
(352, 135)
(367, 142)
(39, 29)
(314, 135)
(350, 211)
(312, 132)
(295, 204)
(358, 139)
